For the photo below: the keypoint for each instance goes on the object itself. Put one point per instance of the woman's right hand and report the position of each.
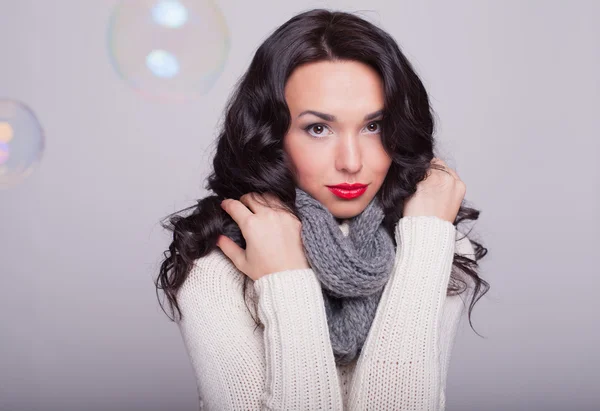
(440, 194)
(273, 241)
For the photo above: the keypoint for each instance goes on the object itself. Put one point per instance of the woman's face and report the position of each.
(340, 141)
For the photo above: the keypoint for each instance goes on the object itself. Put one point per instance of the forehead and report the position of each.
(335, 87)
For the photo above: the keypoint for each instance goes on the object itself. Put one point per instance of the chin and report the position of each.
(347, 209)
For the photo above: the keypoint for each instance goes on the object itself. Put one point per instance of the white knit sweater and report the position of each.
(289, 364)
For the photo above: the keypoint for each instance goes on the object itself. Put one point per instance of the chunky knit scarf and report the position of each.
(353, 269)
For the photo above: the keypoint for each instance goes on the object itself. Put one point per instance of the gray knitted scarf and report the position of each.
(353, 269)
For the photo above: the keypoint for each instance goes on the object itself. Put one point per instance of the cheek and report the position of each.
(309, 166)
(308, 161)
(379, 159)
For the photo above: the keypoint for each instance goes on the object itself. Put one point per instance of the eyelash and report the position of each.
(307, 128)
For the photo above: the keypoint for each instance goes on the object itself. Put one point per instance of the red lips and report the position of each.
(348, 191)
(346, 186)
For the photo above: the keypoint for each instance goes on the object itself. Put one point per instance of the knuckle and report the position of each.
(245, 197)
(271, 199)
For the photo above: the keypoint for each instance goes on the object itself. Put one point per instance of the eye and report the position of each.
(378, 128)
(318, 127)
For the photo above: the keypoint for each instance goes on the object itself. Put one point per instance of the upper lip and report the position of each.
(347, 186)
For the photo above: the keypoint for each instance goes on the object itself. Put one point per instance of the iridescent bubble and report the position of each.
(162, 63)
(21, 142)
(170, 13)
(172, 49)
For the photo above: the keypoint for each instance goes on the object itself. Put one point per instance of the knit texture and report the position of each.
(289, 364)
(352, 267)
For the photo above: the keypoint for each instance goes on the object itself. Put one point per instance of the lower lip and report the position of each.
(347, 194)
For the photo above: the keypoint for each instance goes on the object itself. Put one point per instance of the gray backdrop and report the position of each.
(515, 87)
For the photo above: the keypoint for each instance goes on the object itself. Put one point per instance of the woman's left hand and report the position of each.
(440, 194)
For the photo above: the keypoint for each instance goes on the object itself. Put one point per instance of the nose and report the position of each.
(348, 155)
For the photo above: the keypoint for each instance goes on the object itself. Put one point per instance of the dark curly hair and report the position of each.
(249, 151)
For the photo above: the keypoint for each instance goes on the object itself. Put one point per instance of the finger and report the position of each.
(442, 166)
(438, 164)
(234, 252)
(260, 202)
(271, 198)
(435, 164)
(452, 172)
(237, 210)
(254, 201)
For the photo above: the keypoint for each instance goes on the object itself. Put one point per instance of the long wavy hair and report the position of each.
(249, 151)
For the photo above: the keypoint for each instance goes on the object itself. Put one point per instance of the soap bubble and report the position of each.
(171, 49)
(169, 14)
(21, 142)
(162, 63)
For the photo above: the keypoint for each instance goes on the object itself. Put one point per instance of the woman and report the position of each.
(356, 291)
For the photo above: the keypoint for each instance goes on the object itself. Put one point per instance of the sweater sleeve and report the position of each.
(288, 365)
(405, 358)
(301, 370)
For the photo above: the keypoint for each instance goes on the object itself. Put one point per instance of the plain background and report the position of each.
(514, 84)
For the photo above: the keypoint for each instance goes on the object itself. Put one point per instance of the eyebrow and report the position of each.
(330, 117)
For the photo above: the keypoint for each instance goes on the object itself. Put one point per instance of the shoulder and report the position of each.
(217, 328)
(212, 283)
(213, 267)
